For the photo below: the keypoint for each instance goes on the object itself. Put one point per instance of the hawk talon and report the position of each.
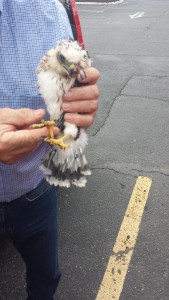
(51, 139)
(59, 142)
(43, 124)
(49, 124)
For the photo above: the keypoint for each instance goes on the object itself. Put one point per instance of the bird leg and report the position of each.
(48, 124)
(51, 139)
(59, 142)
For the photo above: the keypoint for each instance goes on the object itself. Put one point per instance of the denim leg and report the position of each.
(35, 237)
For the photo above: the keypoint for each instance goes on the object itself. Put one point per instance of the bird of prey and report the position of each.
(66, 164)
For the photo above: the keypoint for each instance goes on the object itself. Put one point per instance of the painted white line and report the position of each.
(113, 280)
(137, 15)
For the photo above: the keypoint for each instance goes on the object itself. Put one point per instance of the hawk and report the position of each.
(66, 164)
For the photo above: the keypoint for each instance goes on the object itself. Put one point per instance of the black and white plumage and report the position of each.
(56, 74)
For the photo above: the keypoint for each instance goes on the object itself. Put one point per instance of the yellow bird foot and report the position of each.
(59, 142)
(44, 123)
(48, 124)
(51, 139)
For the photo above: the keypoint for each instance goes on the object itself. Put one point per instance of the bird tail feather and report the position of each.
(67, 167)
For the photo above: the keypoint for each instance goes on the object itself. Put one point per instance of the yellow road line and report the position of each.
(118, 264)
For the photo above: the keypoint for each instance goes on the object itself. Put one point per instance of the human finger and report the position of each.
(92, 75)
(20, 117)
(15, 145)
(80, 120)
(89, 92)
(84, 106)
(22, 139)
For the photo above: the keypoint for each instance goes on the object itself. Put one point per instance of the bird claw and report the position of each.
(49, 124)
(51, 139)
(59, 142)
(43, 124)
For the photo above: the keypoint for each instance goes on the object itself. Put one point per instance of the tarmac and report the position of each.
(129, 43)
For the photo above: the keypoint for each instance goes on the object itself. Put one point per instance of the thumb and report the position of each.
(24, 138)
(20, 117)
(33, 136)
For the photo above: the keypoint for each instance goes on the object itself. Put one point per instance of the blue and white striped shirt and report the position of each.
(28, 29)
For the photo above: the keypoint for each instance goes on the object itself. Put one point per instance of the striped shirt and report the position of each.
(28, 29)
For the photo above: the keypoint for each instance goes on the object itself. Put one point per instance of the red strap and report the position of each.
(77, 23)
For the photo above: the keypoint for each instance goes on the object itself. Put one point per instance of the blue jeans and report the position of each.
(30, 221)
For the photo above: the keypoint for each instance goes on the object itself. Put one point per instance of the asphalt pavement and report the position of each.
(129, 44)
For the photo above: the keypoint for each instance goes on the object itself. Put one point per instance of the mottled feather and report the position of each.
(56, 74)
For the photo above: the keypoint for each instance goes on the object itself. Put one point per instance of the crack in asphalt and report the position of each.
(114, 170)
(145, 97)
(129, 174)
(166, 100)
(106, 117)
(111, 106)
(128, 95)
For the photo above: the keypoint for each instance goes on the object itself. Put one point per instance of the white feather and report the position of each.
(67, 166)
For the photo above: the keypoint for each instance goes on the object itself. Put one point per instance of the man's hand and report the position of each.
(82, 100)
(16, 137)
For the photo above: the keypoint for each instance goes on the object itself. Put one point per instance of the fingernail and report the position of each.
(68, 96)
(39, 112)
(65, 106)
(69, 116)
